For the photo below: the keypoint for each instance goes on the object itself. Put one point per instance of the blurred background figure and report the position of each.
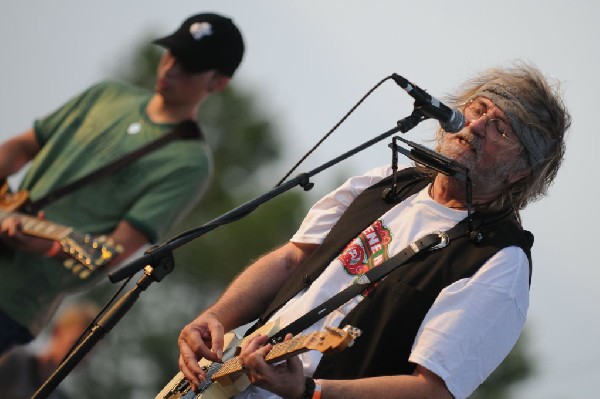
(24, 370)
(136, 203)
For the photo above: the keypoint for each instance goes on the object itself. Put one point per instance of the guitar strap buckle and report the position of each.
(444, 241)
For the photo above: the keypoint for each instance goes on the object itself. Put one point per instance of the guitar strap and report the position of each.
(430, 242)
(185, 130)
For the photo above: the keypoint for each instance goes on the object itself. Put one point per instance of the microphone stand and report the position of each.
(154, 255)
(104, 325)
(158, 261)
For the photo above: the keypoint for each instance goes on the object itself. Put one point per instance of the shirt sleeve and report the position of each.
(169, 200)
(67, 114)
(325, 213)
(474, 323)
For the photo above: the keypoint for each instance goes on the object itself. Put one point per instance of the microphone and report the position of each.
(451, 119)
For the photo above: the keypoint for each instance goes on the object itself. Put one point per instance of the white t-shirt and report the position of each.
(472, 325)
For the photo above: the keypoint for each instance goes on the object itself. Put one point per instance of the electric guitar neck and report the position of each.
(87, 253)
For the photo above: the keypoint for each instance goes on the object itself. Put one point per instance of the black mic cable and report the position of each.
(450, 119)
(333, 129)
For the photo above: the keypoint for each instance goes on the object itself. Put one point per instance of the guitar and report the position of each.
(227, 379)
(86, 253)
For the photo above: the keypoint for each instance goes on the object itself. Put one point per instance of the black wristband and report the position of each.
(309, 388)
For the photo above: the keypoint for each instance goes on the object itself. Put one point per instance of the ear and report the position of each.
(218, 83)
(518, 175)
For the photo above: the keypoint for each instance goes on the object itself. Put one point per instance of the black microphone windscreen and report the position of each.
(455, 123)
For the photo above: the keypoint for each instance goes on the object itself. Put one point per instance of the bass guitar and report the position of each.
(227, 379)
(87, 253)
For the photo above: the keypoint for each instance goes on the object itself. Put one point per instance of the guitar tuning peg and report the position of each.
(68, 263)
(85, 274)
(334, 330)
(106, 254)
(353, 331)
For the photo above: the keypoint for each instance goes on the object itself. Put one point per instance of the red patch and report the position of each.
(366, 251)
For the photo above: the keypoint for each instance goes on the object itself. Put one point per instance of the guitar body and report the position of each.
(10, 201)
(228, 379)
(179, 387)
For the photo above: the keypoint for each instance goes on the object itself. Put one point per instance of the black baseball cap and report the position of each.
(204, 42)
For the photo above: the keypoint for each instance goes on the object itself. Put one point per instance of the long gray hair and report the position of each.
(538, 116)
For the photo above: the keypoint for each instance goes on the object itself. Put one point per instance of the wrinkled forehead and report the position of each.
(485, 103)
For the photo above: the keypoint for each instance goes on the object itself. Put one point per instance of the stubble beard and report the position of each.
(486, 178)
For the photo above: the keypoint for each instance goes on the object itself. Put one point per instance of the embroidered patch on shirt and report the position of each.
(368, 250)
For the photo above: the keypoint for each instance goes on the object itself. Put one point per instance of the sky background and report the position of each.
(309, 62)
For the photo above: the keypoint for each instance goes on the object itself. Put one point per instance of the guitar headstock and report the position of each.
(332, 339)
(88, 253)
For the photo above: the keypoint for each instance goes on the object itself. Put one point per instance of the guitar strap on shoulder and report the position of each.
(430, 242)
(185, 130)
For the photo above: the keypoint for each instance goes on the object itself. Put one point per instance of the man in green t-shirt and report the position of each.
(133, 206)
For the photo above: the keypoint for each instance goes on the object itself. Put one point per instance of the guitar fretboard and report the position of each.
(86, 252)
(295, 345)
(40, 228)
